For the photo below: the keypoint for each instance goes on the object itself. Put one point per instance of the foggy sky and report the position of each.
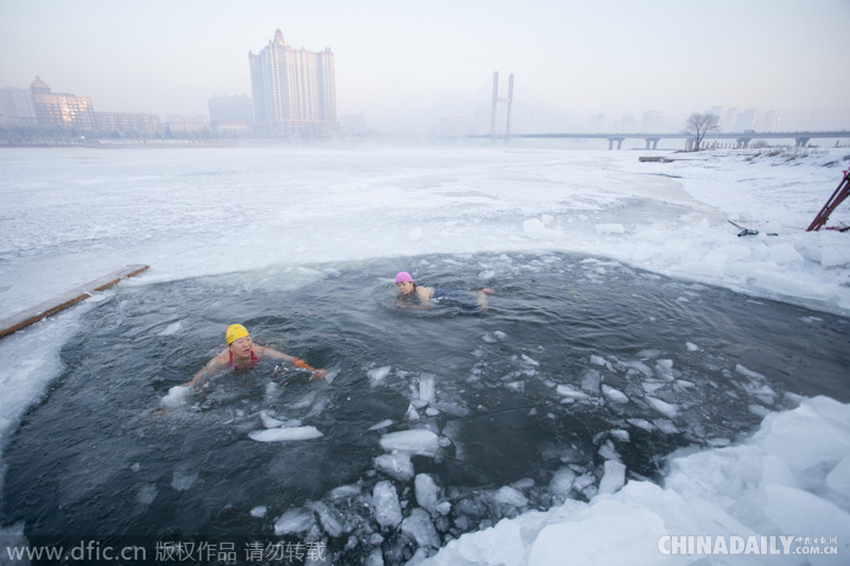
(403, 63)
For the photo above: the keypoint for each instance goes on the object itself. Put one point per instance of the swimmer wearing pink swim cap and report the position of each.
(412, 295)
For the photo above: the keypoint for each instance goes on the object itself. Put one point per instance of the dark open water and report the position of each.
(99, 458)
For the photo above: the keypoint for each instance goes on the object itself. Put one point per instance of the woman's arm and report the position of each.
(209, 370)
(297, 362)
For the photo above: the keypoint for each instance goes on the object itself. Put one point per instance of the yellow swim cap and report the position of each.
(235, 332)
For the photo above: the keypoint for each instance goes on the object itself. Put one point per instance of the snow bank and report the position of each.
(790, 478)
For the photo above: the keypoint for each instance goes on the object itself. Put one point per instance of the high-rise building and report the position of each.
(63, 110)
(294, 90)
(746, 120)
(16, 108)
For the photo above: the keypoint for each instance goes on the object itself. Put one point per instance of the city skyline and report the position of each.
(406, 66)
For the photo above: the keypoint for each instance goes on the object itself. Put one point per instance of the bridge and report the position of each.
(537, 115)
(742, 140)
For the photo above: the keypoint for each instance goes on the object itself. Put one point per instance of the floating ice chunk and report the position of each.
(419, 527)
(426, 492)
(412, 413)
(330, 519)
(269, 421)
(583, 481)
(147, 493)
(662, 407)
(743, 370)
(666, 426)
(613, 478)
(652, 385)
(495, 336)
(642, 424)
(487, 274)
(590, 381)
(597, 360)
(665, 369)
(639, 366)
(285, 434)
(426, 388)
(762, 392)
(432, 412)
(272, 389)
(607, 451)
(397, 465)
(621, 435)
(562, 481)
(259, 511)
(345, 491)
(297, 520)
(452, 409)
(614, 395)
(419, 441)
(567, 391)
(691, 346)
(382, 425)
(444, 508)
(510, 496)
(386, 504)
(183, 480)
(176, 396)
(377, 375)
(529, 360)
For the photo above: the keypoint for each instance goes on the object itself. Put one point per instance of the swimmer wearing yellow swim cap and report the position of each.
(241, 352)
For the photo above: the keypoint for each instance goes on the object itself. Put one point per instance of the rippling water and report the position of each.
(577, 361)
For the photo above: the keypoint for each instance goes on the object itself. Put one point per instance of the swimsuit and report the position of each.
(465, 300)
(254, 359)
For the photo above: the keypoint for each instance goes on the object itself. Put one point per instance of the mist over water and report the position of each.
(578, 361)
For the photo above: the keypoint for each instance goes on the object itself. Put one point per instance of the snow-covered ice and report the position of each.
(670, 218)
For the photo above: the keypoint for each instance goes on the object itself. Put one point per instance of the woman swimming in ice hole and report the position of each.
(418, 296)
(241, 352)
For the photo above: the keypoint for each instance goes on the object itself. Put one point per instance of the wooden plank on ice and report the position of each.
(65, 300)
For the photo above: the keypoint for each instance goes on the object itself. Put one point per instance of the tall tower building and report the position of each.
(294, 90)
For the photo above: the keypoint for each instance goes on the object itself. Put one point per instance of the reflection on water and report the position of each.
(577, 361)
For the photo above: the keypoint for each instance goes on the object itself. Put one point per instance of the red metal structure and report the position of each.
(838, 196)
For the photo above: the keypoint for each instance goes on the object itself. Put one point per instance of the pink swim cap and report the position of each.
(403, 276)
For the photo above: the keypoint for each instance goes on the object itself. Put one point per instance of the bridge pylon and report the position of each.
(509, 100)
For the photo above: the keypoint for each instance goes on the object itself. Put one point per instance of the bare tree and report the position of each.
(698, 125)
